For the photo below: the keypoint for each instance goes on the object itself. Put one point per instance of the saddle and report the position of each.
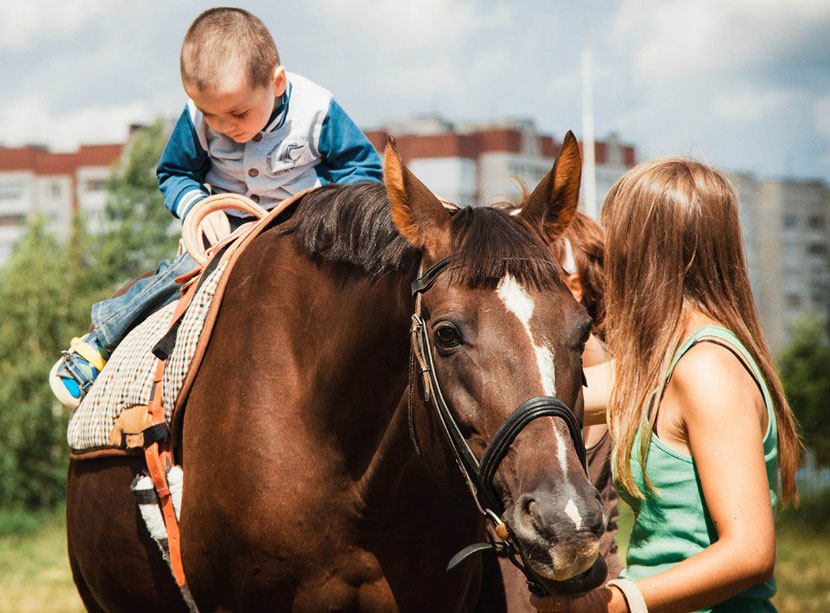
(114, 418)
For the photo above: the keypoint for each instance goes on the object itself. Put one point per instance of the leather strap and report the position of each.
(425, 281)
(192, 224)
(541, 406)
(159, 457)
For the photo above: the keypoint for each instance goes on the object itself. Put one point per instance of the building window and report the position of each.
(95, 185)
(815, 222)
(791, 256)
(12, 220)
(11, 191)
(790, 221)
(55, 189)
(793, 300)
(816, 249)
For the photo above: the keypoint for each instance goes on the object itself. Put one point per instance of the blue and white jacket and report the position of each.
(308, 141)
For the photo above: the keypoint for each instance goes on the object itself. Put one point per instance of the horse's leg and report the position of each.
(115, 564)
(83, 589)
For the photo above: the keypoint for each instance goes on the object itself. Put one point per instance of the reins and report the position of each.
(479, 475)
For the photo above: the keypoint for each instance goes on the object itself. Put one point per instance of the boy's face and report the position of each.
(239, 112)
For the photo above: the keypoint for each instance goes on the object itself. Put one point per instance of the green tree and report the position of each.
(40, 311)
(46, 290)
(805, 370)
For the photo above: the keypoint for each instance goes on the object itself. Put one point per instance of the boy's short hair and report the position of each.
(224, 44)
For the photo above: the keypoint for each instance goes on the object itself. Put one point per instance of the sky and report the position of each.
(741, 84)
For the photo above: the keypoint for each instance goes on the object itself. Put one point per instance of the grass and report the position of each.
(802, 565)
(34, 568)
(35, 575)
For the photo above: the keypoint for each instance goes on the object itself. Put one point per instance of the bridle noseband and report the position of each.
(479, 475)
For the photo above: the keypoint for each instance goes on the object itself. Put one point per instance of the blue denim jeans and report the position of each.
(115, 317)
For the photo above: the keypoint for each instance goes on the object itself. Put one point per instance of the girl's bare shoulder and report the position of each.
(710, 382)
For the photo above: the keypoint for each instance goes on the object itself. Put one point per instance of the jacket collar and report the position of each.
(277, 119)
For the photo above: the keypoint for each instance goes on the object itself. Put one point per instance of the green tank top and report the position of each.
(675, 524)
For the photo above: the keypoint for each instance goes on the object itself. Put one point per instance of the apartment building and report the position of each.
(791, 276)
(483, 163)
(35, 180)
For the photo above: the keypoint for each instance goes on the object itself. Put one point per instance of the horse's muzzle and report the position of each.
(560, 542)
(584, 582)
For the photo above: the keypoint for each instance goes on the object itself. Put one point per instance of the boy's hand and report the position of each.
(215, 227)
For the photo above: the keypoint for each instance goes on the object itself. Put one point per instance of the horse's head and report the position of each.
(502, 329)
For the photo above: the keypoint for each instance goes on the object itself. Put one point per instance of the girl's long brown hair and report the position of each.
(673, 241)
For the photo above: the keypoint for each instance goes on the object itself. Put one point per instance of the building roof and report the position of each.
(41, 161)
(485, 139)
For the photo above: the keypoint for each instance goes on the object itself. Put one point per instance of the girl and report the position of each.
(696, 411)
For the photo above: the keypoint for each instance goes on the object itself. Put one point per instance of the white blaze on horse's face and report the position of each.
(519, 302)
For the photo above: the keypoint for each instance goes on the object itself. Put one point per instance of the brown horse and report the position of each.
(313, 480)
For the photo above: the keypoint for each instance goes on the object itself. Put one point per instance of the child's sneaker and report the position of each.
(73, 375)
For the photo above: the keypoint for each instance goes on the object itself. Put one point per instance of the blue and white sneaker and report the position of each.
(75, 372)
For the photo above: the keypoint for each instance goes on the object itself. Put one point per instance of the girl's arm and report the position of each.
(600, 379)
(719, 405)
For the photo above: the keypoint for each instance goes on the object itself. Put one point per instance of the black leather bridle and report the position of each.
(479, 475)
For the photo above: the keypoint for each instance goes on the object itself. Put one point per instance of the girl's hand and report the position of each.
(600, 380)
(596, 601)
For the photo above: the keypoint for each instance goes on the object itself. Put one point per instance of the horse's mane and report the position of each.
(352, 224)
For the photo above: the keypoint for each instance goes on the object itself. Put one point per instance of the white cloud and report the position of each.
(752, 104)
(32, 21)
(565, 84)
(403, 27)
(29, 119)
(407, 58)
(707, 76)
(673, 38)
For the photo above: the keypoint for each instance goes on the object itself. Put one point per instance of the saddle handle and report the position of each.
(192, 233)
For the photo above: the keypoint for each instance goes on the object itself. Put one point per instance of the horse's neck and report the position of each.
(413, 463)
(362, 363)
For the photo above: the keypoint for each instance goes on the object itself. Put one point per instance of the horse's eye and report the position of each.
(446, 335)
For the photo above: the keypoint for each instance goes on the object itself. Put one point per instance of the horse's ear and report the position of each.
(553, 203)
(418, 214)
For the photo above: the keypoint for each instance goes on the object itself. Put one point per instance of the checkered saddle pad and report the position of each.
(127, 379)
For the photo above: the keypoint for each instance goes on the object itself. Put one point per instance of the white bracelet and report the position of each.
(632, 594)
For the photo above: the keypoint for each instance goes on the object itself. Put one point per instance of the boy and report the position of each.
(249, 128)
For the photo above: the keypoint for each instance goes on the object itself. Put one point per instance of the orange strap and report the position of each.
(159, 456)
